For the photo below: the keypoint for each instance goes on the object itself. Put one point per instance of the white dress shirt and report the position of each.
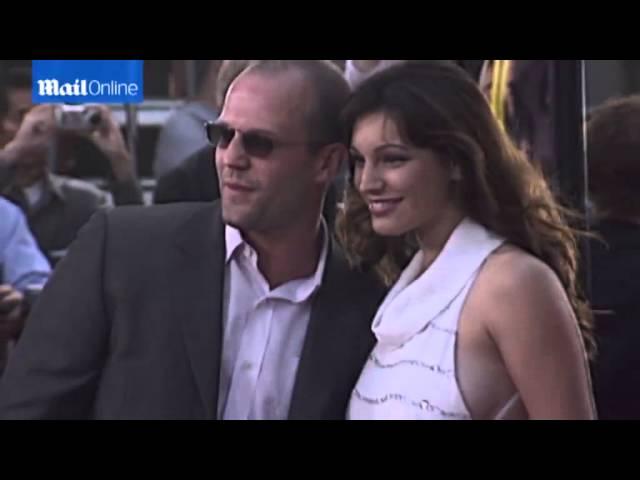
(264, 331)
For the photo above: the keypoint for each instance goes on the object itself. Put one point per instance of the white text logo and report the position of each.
(84, 88)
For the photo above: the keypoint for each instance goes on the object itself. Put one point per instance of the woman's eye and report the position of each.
(395, 159)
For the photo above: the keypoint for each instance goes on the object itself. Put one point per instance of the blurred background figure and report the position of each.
(520, 94)
(23, 272)
(182, 134)
(15, 102)
(356, 71)
(57, 206)
(614, 171)
(194, 179)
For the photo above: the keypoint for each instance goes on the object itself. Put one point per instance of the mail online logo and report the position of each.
(87, 81)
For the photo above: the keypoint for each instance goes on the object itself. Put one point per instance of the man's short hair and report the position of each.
(330, 92)
(229, 71)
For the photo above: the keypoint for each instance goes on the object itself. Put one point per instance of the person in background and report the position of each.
(15, 102)
(195, 179)
(23, 270)
(182, 136)
(357, 71)
(520, 94)
(57, 206)
(613, 147)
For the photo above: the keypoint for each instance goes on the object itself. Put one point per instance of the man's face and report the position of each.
(262, 193)
(19, 103)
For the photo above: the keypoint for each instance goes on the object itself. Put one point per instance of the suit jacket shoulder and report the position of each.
(338, 340)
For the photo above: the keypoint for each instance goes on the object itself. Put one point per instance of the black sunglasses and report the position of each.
(255, 144)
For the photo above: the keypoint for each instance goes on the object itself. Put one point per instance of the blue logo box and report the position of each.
(87, 81)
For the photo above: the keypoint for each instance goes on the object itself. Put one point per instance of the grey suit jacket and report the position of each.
(130, 325)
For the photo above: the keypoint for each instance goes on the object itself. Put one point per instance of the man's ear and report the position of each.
(331, 160)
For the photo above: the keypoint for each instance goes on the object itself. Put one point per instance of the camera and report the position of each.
(78, 118)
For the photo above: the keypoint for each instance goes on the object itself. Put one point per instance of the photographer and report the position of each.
(57, 206)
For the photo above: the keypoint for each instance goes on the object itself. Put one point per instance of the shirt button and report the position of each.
(246, 365)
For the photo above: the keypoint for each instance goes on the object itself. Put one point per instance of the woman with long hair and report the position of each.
(484, 318)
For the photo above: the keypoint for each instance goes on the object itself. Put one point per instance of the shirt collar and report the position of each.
(233, 241)
(297, 290)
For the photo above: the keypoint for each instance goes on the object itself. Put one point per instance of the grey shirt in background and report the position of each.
(65, 205)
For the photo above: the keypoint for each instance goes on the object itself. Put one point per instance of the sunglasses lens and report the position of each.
(254, 144)
(257, 145)
(219, 135)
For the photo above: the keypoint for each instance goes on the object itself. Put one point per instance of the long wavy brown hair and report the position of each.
(436, 105)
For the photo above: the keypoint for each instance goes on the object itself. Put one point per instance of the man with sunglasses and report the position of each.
(196, 179)
(239, 309)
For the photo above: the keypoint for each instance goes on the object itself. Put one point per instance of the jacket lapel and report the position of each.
(197, 299)
(337, 343)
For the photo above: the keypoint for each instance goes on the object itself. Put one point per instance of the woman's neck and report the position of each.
(433, 237)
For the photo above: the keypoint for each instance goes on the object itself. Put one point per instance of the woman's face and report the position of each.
(406, 188)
